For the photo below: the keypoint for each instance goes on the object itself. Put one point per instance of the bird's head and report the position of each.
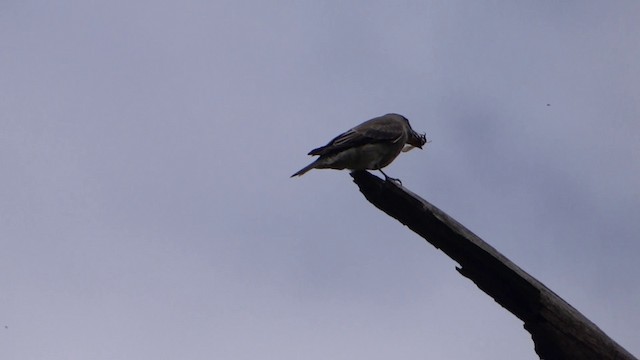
(415, 140)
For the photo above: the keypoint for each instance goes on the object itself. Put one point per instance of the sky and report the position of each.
(146, 209)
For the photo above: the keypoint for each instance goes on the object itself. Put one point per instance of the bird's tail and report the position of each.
(305, 169)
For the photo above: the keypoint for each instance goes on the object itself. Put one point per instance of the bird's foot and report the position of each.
(389, 178)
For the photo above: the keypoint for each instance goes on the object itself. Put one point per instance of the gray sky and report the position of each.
(146, 210)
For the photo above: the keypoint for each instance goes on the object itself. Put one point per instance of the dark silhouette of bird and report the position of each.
(371, 145)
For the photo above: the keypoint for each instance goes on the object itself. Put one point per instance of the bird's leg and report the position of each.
(389, 178)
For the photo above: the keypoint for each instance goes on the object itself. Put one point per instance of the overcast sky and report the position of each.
(146, 209)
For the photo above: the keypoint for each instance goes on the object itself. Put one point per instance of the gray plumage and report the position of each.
(371, 145)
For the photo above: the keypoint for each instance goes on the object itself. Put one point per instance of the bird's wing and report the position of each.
(376, 130)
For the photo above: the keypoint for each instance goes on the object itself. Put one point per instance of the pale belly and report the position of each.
(366, 157)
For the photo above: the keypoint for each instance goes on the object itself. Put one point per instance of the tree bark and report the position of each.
(558, 330)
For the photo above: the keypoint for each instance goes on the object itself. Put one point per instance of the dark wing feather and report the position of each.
(380, 129)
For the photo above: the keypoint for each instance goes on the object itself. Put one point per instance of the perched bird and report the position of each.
(371, 145)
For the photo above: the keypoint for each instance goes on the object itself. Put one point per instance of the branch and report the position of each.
(558, 330)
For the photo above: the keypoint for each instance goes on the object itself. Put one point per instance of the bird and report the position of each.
(371, 145)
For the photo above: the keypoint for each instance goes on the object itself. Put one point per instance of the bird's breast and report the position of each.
(371, 156)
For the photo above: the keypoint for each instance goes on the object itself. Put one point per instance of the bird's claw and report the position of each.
(395, 180)
(389, 178)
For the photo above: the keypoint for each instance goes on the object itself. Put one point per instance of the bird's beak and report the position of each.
(417, 140)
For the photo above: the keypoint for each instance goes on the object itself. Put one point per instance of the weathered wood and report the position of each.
(558, 330)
